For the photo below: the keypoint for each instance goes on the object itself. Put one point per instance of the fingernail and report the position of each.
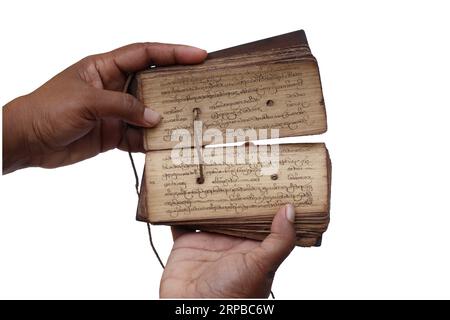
(151, 117)
(194, 49)
(290, 213)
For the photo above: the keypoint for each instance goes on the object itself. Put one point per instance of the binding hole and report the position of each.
(270, 103)
(200, 180)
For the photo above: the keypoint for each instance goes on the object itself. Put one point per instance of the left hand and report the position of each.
(208, 265)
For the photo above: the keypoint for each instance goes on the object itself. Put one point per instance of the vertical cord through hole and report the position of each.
(201, 178)
(270, 103)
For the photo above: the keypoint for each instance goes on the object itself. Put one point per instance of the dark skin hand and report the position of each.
(82, 112)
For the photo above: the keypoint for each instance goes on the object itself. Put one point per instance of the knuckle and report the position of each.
(148, 44)
(88, 71)
(130, 104)
(88, 62)
(140, 46)
(90, 59)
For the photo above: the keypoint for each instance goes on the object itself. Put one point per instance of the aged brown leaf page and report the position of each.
(273, 85)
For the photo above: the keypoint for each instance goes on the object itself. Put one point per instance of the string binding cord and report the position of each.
(136, 177)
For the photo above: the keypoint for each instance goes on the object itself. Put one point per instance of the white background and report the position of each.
(71, 232)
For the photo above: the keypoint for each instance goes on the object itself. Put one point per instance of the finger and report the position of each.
(138, 56)
(117, 105)
(179, 231)
(277, 246)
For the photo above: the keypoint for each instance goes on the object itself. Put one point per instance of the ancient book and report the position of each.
(205, 168)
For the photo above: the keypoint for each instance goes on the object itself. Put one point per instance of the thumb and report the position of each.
(118, 105)
(281, 240)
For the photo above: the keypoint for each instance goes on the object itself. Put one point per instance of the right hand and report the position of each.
(81, 111)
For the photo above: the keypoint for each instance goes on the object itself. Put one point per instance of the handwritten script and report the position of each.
(237, 189)
(285, 95)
